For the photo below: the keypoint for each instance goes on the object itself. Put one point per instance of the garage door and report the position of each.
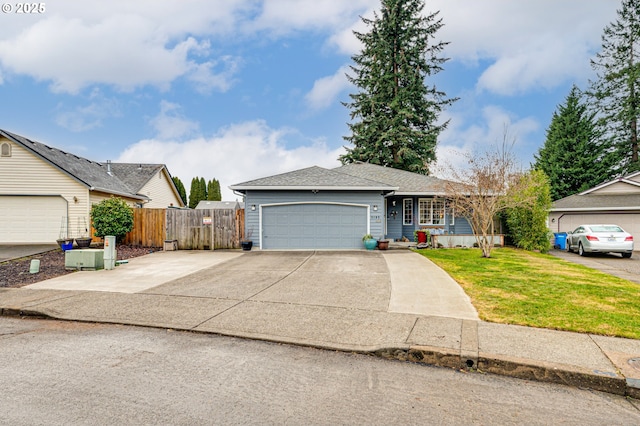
(630, 222)
(313, 226)
(31, 219)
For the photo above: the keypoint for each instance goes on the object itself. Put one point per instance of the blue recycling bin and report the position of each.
(561, 240)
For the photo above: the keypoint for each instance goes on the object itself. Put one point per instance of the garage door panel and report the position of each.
(313, 226)
(31, 219)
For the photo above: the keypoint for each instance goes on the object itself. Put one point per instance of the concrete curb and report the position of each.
(462, 360)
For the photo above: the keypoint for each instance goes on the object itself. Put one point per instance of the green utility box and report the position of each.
(84, 260)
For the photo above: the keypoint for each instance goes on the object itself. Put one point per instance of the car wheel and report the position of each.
(626, 255)
(581, 251)
(568, 246)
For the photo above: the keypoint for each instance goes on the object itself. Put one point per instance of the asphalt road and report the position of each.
(59, 373)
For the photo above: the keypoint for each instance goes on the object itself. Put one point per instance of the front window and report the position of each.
(407, 209)
(431, 211)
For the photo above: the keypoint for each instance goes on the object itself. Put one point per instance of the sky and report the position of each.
(241, 89)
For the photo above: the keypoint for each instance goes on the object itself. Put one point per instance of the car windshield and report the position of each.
(606, 228)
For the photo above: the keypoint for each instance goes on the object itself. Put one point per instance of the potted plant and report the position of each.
(84, 240)
(383, 244)
(421, 236)
(369, 242)
(246, 243)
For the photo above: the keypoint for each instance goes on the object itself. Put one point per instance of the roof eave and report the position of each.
(122, 194)
(311, 188)
(593, 209)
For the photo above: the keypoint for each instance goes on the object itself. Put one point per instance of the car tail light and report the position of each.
(592, 238)
(629, 238)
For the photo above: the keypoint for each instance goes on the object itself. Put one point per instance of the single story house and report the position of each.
(616, 202)
(318, 208)
(46, 193)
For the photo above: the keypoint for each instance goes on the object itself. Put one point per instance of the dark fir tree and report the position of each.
(394, 115)
(197, 192)
(181, 189)
(572, 156)
(213, 190)
(616, 91)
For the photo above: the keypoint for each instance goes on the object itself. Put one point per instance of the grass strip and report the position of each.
(539, 290)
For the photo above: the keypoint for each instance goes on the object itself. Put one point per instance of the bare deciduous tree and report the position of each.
(486, 187)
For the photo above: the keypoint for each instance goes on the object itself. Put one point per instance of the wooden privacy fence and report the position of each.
(148, 228)
(192, 229)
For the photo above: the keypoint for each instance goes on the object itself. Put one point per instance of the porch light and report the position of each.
(375, 207)
(253, 207)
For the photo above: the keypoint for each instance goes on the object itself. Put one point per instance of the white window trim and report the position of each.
(430, 218)
(404, 201)
(430, 202)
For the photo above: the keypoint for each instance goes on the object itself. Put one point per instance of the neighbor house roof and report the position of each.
(588, 202)
(407, 183)
(113, 178)
(207, 204)
(313, 178)
(625, 197)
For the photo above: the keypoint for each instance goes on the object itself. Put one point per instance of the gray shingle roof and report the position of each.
(207, 204)
(598, 202)
(313, 178)
(124, 179)
(408, 183)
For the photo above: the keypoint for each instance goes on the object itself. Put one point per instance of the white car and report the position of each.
(600, 239)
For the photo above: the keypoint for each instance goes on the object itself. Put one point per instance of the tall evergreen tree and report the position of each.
(616, 91)
(572, 156)
(203, 188)
(181, 189)
(213, 190)
(395, 114)
(197, 192)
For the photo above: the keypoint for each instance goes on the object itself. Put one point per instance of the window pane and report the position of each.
(438, 211)
(424, 211)
(407, 211)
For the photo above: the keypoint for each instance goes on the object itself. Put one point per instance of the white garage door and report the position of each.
(31, 219)
(313, 226)
(630, 222)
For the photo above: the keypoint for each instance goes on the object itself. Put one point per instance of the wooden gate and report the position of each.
(204, 229)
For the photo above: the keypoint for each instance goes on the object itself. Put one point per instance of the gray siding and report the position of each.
(257, 198)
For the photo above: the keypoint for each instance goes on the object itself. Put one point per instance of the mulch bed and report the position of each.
(15, 273)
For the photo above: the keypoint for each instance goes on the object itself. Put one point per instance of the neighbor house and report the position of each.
(334, 208)
(616, 202)
(46, 193)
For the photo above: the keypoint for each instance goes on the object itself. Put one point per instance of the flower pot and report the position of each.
(65, 242)
(83, 242)
(370, 244)
(383, 244)
(246, 245)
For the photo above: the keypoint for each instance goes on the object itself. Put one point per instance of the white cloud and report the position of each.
(171, 124)
(236, 154)
(527, 44)
(461, 139)
(90, 116)
(123, 44)
(326, 89)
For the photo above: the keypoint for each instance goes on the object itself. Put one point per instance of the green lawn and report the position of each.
(539, 290)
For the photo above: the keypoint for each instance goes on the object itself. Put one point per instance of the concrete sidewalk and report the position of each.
(350, 301)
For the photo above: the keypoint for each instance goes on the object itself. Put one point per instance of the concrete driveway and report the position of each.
(16, 251)
(398, 281)
(609, 263)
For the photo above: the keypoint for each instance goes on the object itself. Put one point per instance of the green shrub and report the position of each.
(112, 216)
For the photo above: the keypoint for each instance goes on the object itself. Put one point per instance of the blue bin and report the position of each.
(560, 241)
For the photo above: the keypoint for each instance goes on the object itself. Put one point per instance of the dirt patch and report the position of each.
(15, 273)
